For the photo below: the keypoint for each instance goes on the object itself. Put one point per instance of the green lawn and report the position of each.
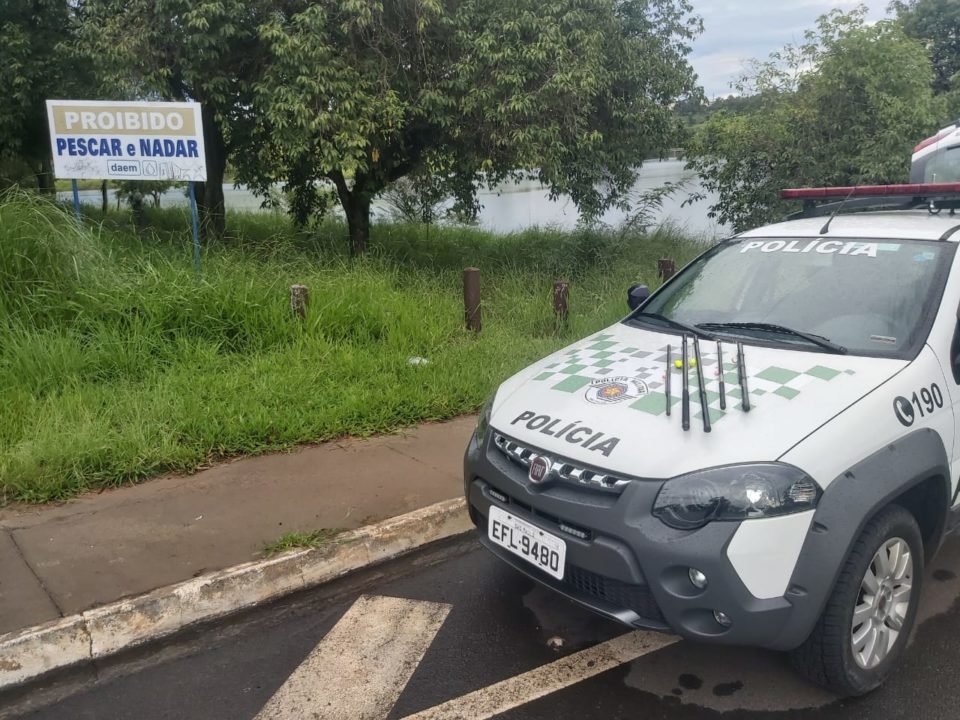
(117, 363)
(67, 185)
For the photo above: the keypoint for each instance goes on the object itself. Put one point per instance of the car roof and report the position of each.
(899, 225)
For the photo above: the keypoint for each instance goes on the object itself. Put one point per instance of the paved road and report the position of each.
(100, 547)
(453, 621)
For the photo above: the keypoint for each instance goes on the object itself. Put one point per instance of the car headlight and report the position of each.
(483, 422)
(735, 492)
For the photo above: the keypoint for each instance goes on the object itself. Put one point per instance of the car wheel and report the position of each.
(868, 617)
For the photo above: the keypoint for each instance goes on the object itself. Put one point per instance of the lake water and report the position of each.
(513, 207)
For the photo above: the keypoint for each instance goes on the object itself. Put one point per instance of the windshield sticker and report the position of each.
(824, 247)
(884, 339)
(928, 256)
(602, 360)
(572, 432)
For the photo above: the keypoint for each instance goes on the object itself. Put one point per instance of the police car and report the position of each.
(937, 159)
(763, 452)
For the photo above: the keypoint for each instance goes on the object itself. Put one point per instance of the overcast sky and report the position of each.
(737, 30)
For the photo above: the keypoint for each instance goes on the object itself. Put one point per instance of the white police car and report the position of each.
(764, 452)
(937, 159)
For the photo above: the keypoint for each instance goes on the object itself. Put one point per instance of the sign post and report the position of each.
(105, 140)
(195, 223)
(76, 198)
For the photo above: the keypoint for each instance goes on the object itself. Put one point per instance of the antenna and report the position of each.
(826, 226)
(742, 375)
(701, 391)
(666, 381)
(723, 387)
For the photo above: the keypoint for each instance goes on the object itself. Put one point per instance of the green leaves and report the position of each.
(846, 107)
(178, 49)
(37, 61)
(937, 24)
(362, 93)
(574, 92)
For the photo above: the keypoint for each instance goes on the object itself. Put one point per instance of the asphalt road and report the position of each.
(488, 625)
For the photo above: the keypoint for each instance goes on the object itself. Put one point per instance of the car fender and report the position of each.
(848, 503)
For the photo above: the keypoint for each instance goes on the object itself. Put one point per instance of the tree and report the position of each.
(361, 93)
(696, 110)
(36, 62)
(846, 107)
(186, 50)
(126, 189)
(414, 199)
(936, 23)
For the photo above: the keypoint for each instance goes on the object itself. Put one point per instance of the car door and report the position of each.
(944, 340)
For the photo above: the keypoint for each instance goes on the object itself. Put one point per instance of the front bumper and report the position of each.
(630, 567)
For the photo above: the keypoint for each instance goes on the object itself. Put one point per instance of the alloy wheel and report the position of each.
(882, 603)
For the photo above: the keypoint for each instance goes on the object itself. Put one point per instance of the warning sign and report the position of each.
(100, 140)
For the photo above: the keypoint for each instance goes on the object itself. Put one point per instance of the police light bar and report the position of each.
(915, 190)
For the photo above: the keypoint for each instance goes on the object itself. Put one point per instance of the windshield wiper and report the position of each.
(695, 330)
(823, 342)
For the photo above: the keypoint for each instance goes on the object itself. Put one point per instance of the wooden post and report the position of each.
(666, 269)
(561, 293)
(471, 298)
(299, 299)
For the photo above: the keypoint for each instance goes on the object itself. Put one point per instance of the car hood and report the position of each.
(602, 401)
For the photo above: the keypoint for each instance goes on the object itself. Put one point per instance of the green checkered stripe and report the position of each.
(601, 357)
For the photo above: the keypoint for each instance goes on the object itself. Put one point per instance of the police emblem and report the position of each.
(608, 391)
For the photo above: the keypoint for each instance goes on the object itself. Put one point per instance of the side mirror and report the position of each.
(637, 295)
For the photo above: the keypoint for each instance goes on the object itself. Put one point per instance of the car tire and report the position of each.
(838, 655)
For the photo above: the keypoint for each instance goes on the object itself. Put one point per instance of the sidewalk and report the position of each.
(62, 559)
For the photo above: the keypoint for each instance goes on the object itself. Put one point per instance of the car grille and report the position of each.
(590, 585)
(561, 468)
(613, 592)
(563, 526)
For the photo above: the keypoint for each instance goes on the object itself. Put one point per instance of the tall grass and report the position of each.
(117, 363)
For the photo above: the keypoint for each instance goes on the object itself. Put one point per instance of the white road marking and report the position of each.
(359, 669)
(521, 689)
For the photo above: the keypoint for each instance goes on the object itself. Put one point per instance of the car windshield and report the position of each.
(863, 297)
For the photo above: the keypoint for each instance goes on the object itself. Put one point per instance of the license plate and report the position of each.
(537, 547)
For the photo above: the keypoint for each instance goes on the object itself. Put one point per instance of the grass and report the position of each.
(117, 363)
(292, 541)
(66, 185)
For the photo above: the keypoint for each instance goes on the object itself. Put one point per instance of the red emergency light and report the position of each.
(914, 190)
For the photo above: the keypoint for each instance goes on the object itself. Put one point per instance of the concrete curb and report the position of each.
(29, 653)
